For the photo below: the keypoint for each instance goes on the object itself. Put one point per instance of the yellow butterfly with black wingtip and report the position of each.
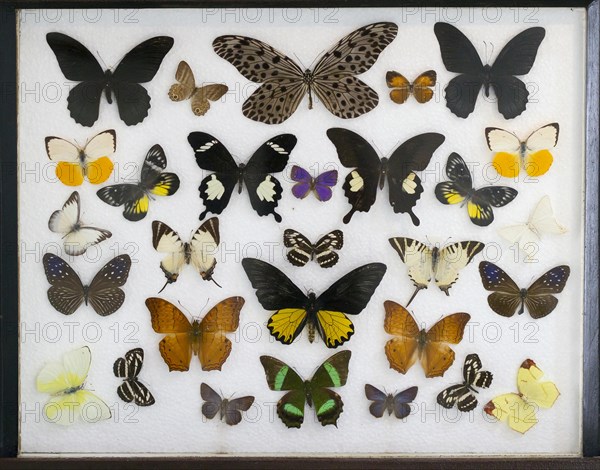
(325, 313)
(136, 197)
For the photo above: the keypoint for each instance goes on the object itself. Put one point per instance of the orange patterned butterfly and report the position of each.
(203, 338)
(402, 88)
(411, 343)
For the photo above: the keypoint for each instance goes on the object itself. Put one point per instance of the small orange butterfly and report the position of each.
(402, 88)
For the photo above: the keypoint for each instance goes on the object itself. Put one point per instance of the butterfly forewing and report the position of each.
(301, 247)
(131, 365)
(66, 292)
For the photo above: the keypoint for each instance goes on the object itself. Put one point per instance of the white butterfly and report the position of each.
(70, 402)
(542, 220)
(77, 237)
(443, 265)
(199, 252)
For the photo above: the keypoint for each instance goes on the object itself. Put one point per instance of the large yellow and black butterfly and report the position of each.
(326, 313)
(136, 197)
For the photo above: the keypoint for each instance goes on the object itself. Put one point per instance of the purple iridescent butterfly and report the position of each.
(305, 183)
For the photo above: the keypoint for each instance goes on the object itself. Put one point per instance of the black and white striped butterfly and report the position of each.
(333, 80)
(199, 251)
(462, 395)
(398, 404)
(104, 293)
(230, 410)
(263, 188)
(128, 368)
(77, 237)
(302, 250)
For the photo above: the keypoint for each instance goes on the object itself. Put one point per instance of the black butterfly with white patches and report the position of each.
(462, 395)
(399, 404)
(369, 172)
(264, 190)
(230, 410)
(104, 294)
(302, 250)
(128, 368)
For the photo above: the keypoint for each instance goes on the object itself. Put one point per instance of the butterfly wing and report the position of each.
(543, 219)
(324, 247)
(539, 300)
(166, 240)
(538, 158)
(215, 347)
(233, 409)
(66, 156)
(66, 292)
(57, 377)
(324, 183)
(153, 179)
(423, 84)
(379, 399)
(512, 408)
(400, 87)
(204, 95)
(506, 296)
(303, 181)
(452, 259)
(97, 153)
(460, 185)
(459, 395)
(360, 186)
(332, 373)
(135, 391)
(480, 206)
(301, 247)
(418, 259)
(264, 189)
(134, 199)
(473, 373)
(63, 221)
(401, 402)
(187, 83)
(347, 296)
(516, 58)
(204, 246)
(129, 366)
(543, 394)
(437, 356)
(402, 351)
(405, 186)
(212, 401)
(104, 293)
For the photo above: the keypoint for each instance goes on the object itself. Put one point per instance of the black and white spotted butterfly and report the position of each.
(104, 293)
(302, 250)
(462, 395)
(264, 190)
(128, 368)
(230, 410)
(333, 80)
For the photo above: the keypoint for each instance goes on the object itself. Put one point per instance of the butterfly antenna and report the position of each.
(187, 310)
(299, 60)
(166, 284)
(102, 60)
(417, 289)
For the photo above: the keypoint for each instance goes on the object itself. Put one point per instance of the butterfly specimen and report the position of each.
(231, 410)
(507, 297)
(325, 313)
(327, 403)
(69, 401)
(199, 252)
(533, 154)
(264, 190)
(515, 58)
(77, 237)
(302, 250)
(421, 88)
(320, 186)
(200, 96)
(75, 163)
(104, 294)
(441, 264)
(203, 338)
(398, 404)
(411, 343)
(360, 186)
(542, 220)
(332, 80)
(519, 409)
(462, 395)
(139, 65)
(128, 368)
(136, 197)
(459, 190)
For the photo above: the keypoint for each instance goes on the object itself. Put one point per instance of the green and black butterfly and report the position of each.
(328, 404)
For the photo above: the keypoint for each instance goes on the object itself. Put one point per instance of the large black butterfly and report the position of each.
(462, 395)
(128, 368)
(507, 297)
(264, 190)
(136, 197)
(302, 250)
(230, 410)
(360, 186)
(398, 404)
(460, 190)
(67, 292)
(139, 65)
(325, 313)
(515, 58)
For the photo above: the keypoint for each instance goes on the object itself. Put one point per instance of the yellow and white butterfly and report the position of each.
(69, 401)
(77, 237)
(519, 409)
(199, 252)
(92, 161)
(441, 264)
(528, 235)
(200, 96)
(532, 154)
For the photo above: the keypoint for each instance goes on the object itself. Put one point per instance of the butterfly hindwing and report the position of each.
(66, 292)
